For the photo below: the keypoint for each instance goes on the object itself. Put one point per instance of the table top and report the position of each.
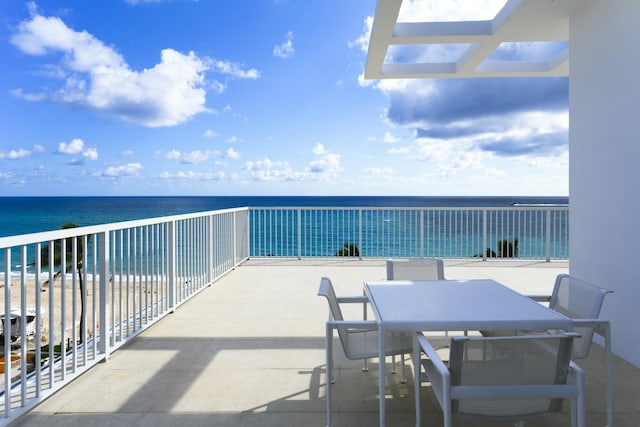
(456, 305)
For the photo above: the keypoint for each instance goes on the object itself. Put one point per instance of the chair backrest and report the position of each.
(326, 290)
(490, 371)
(578, 300)
(415, 269)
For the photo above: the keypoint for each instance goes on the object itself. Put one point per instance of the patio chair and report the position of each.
(582, 302)
(359, 338)
(418, 269)
(506, 378)
(415, 269)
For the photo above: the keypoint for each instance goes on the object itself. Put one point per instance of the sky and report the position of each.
(258, 97)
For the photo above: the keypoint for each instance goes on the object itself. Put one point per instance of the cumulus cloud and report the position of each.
(123, 171)
(76, 147)
(194, 176)
(20, 153)
(192, 157)
(326, 167)
(232, 154)
(233, 69)
(209, 134)
(362, 42)
(284, 50)
(97, 77)
(268, 170)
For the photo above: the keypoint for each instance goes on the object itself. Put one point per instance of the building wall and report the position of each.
(604, 168)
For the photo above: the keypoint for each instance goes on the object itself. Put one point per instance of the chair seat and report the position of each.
(364, 344)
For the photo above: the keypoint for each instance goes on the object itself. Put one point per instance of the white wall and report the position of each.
(604, 168)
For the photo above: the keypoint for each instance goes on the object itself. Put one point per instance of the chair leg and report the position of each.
(365, 366)
(608, 379)
(330, 380)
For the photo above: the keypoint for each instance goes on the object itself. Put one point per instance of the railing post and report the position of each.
(209, 248)
(6, 326)
(484, 234)
(171, 261)
(105, 253)
(360, 233)
(548, 255)
(299, 214)
(421, 233)
(234, 239)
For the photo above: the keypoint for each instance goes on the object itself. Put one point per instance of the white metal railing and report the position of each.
(115, 280)
(76, 295)
(513, 232)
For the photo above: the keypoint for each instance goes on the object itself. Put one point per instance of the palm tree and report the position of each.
(69, 267)
(348, 249)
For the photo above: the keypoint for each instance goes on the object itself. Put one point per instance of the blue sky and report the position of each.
(257, 97)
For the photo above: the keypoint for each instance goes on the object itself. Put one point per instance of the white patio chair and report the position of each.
(582, 302)
(359, 338)
(418, 269)
(506, 378)
(415, 269)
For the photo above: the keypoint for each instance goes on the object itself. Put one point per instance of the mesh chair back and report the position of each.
(578, 300)
(506, 367)
(326, 290)
(415, 269)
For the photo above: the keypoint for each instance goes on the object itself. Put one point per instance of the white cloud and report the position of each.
(194, 176)
(449, 10)
(233, 139)
(379, 171)
(319, 149)
(20, 153)
(173, 155)
(362, 42)
(209, 134)
(195, 156)
(234, 70)
(285, 50)
(97, 76)
(390, 139)
(232, 154)
(268, 170)
(128, 170)
(90, 154)
(74, 147)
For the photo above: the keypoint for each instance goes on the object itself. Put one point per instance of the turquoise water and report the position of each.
(22, 215)
(385, 233)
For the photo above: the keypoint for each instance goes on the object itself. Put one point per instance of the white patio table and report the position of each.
(452, 305)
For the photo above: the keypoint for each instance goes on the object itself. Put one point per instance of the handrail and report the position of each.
(368, 232)
(95, 288)
(133, 273)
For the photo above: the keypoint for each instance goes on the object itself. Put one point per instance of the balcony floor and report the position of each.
(249, 351)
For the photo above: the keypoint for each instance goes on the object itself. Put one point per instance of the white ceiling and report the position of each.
(474, 48)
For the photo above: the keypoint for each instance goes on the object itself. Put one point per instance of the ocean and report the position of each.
(23, 215)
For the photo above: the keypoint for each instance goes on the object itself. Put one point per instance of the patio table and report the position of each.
(452, 305)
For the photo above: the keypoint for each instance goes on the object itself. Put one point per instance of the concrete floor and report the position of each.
(249, 351)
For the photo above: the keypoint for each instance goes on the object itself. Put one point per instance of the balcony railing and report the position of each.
(73, 296)
(522, 232)
(76, 295)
